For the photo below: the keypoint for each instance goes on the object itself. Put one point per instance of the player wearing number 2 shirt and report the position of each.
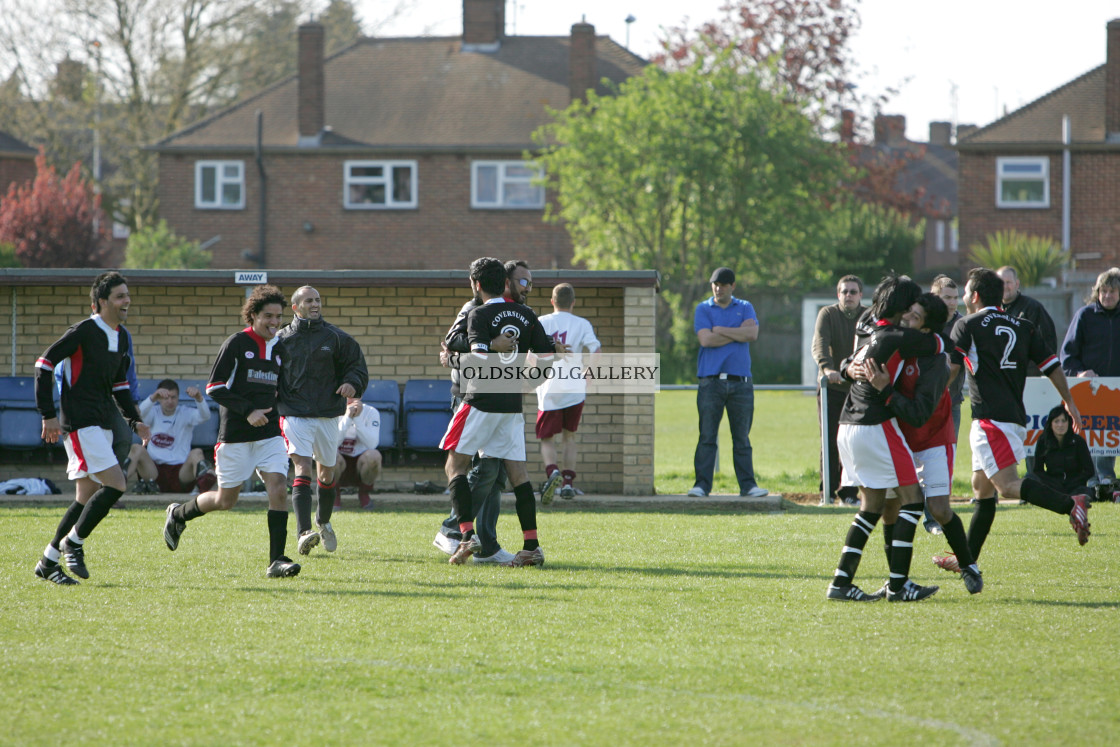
(996, 348)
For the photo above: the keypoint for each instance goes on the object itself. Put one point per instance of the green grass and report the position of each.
(643, 628)
(785, 438)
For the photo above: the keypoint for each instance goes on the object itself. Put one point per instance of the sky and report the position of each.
(964, 61)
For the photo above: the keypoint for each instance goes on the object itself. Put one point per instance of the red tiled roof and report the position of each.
(417, 93)
(1041, 120)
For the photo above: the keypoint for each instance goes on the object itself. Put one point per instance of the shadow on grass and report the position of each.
(1061, 603)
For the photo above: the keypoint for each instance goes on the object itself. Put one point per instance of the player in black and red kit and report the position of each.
(491, 421)
(872, 449)
(996, 348)
(92, 356)
(243, 382)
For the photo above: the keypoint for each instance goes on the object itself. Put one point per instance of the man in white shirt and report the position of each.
(169, 464)
(359, 432)
(560, 399)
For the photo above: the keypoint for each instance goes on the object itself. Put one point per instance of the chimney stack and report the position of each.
(890, 129)
(964, 130)
(582, 61)
(940, 133)
(484, 23)
(312, 114)
(1112, 84)
(847, 126)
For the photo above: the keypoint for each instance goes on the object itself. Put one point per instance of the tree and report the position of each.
(686, 171)
(1033, 257)
(159, 248)
(54, 222)
(869, 240)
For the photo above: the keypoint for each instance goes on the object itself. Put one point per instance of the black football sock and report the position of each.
(277, 534)
(69, 519)
(902, 544)
(96, 510)
(327, 494)
(958, 541)
(858, 532)
(888, 537)
(526, 503)
(1043, 496)
(980, 525)
(187, 511)
(301, 503)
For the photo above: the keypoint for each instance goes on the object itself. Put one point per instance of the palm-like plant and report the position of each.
(1033, 257)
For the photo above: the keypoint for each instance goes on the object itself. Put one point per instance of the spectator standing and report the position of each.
(359, 431)
(1092, 348)
(560, 400)
(834, 338)
(324, 368)
(243, 383)
(169, 464)
(94, 348)
(725, 326)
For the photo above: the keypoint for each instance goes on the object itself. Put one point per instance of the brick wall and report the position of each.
(1094, 205)
(18, 170)
(443, 232)
(178, 329)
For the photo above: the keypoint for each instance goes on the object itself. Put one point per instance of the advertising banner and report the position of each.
(1098, 400)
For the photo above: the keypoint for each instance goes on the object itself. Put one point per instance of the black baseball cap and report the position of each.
(723, 275)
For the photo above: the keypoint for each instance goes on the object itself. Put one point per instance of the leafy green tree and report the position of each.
(159, 248)
(1033, 257)
(869, 240)
(685, 171)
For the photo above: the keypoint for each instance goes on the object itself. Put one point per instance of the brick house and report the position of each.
(1051, 168)
(392, 153)
(17, 162)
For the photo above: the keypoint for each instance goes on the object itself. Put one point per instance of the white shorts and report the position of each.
(89, 450)
(996, 445)
(235, 463)
(312, 437)
(875, 456)
(500, 435)
(935, 470)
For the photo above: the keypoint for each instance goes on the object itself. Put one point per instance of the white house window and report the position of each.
(219, 185)
(1023, 182)
(373, 185)
(939, 235)
(506, 184)
(953, 236)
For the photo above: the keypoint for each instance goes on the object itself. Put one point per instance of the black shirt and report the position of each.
(244, 379)
(889, 346)
(997, 347)
(497, 317)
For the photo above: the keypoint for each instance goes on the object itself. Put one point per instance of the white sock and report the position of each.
(73, 537)
(52, 554)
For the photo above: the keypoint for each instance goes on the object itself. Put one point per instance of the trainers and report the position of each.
(933, 527)
(525, 558)
(697, 492)
(757, 492)
(74, 556)
(973, 581)
(330, 539)
(882, 592)
(464, 551)
(1079, 517)
(851, 501)
(850, 593)
(568, 492)
(446, 544)
(52, 572)
(306, 541)
(282, 567)
(947, 563)
(911, 592)
(172, 528)
(501, 557)
(548, 487)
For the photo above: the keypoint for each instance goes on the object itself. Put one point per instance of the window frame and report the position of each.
(1044, 177)
(389, 165)
(220, 180)
(503, 179)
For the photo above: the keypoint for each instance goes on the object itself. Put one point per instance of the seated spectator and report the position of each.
(169, 464)
(1061, 458)
(359, 431)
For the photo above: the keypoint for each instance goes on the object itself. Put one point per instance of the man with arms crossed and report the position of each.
(324, 367)
(95, 368)
(243, 383)
(997, 348)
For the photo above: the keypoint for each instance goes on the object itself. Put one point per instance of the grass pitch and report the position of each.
(695, 628)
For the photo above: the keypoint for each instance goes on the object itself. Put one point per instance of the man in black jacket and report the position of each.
(324, 366)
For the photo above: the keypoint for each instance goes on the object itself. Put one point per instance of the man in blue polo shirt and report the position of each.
(726, 326)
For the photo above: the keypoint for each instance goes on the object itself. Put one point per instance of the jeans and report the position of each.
(486, 478)
(713, 396)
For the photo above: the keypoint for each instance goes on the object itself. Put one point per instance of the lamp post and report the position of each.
(629, 20)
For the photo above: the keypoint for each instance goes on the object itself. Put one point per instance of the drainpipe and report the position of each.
(15, 292)
(1065, 181)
